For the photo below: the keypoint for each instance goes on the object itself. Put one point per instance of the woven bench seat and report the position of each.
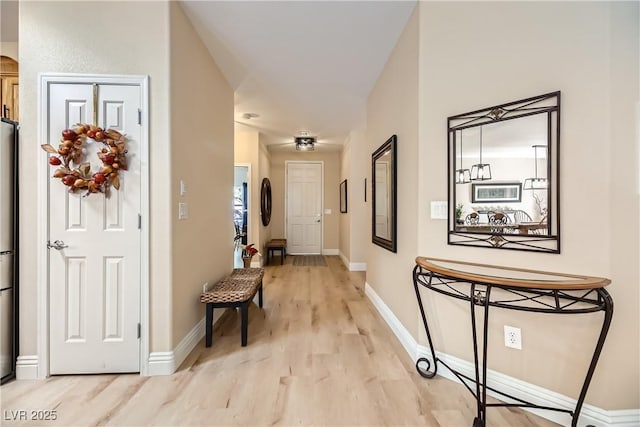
(235, 290)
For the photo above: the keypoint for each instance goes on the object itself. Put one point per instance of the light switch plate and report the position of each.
(183, 212)
(327, 211)
(183, 188)
(439, 209)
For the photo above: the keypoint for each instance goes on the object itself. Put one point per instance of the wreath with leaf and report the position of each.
(75, 173)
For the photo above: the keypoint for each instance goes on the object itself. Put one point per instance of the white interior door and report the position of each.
(94, 283)
(304, 208)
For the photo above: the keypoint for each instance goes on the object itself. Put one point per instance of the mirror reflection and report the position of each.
(384, 195)
(502, 180)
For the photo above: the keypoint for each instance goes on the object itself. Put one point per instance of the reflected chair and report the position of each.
(499, 219)
(472, 219)
(521, 216)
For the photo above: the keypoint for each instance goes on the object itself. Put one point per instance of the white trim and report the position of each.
(286, 199)
(331, 252)
(357, 266)
(353, 266)
(405, 338)
(248, 166)
(42, 300)
(167, 362)
(588, 415)
(27, 367)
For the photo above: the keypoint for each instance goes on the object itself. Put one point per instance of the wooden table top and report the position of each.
(510, 276)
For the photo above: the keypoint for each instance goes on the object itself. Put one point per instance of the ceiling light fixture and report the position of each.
(536, 183)
(463, 176)
(481, 171)
(305, 143)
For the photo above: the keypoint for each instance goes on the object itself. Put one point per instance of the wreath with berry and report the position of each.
(76, 174)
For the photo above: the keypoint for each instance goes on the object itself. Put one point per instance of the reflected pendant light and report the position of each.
(463, 176)
(480, 171)
(536, 183)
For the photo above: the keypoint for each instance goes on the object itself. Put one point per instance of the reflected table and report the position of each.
(516, 227)
(485, 286)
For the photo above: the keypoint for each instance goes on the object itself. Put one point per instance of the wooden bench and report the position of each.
(276, 245)
(235, 290)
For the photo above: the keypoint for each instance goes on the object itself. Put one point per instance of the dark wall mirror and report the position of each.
(383, 170)
(265, 201)
(503, 176)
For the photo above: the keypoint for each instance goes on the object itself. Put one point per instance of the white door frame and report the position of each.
(286, 197)
(249, 216)
(42, 257)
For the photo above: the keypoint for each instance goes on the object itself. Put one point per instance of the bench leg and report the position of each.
(244, 311)
(260, 295)
(209, 324)
(281, 256)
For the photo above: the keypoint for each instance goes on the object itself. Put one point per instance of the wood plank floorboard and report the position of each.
(318, 355)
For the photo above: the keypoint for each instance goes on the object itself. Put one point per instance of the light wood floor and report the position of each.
(318, 354)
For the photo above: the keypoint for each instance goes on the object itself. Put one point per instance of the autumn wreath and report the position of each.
(76, 174)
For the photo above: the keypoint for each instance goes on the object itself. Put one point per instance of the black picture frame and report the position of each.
(343, 196)
(384, 196)
(498, 192)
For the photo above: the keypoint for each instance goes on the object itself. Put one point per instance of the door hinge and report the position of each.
(139, 330)
(139, 116)
(139, 222)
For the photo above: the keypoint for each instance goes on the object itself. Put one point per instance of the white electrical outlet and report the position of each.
(183, 212)
(512, 337)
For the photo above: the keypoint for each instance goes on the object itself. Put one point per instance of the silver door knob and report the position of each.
(58, 244)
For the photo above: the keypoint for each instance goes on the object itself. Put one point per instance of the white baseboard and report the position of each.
(353, 266)
(27, 367)
(331, 252)
(167, 362)
(589, 415)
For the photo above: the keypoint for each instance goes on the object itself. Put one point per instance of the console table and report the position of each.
(519, 289)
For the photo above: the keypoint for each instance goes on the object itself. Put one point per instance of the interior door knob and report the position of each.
(58, 244)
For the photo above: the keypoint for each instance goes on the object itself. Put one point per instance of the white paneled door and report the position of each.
(94, 274)
(304, 208)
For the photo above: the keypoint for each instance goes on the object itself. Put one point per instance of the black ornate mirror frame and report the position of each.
(265, 201)
(546, 239)
(390, 243)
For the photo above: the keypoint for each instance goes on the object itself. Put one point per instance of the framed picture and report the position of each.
(493, 192)
(343, 196)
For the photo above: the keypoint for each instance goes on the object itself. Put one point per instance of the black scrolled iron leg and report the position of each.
(485, 328)
(608, 315)
(427, 372)
(479, 404)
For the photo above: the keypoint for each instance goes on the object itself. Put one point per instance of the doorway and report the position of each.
(93, 289)
(304, 207)
(241, 211)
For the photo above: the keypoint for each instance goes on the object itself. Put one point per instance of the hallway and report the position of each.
(319, 354)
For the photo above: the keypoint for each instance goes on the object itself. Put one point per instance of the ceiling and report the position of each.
(300, 65)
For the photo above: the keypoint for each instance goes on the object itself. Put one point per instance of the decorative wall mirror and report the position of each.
(383, 172)
(265, 201)
(503, 176)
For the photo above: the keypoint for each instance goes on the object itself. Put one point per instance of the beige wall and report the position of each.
(250, 149)
(355, 231)
(9, 49)
(202, 156)
(345, 218)
(589, 51)
(392, 108)
(127, 48)
(331, 226)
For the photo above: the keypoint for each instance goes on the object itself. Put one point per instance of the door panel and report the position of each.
(304, 208)
(95, 281)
